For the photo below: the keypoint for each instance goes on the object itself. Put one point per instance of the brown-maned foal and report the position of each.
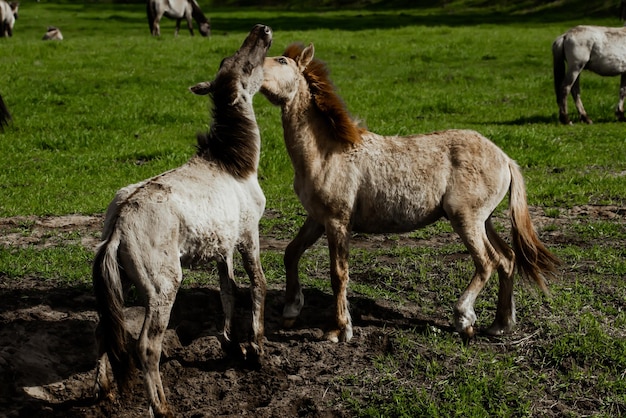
(349, 179)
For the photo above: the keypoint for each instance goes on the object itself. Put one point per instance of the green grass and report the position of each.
(109, 106)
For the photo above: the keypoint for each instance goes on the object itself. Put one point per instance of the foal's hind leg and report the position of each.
(158, 308)
(103, 384)
(505, 313)
(294, 299)
(474, 237)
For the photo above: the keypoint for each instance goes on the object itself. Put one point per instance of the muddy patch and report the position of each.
(47, 345)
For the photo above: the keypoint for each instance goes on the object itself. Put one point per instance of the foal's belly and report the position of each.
(404, 219)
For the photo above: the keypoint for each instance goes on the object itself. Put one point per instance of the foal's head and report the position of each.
(233, 140)
(240, 75)
(284, 76)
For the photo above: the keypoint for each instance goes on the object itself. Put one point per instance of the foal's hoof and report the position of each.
(251, 353)
(289, 322)
(564, 119)
(468, 334)
(339, 335)
(497, 330)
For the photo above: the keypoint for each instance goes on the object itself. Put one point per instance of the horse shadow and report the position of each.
(530, 120)
(48, 348)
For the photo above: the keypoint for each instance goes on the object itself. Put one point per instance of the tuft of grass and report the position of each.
(67, 263)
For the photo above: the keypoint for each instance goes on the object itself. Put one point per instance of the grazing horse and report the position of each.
(349, 179)
(53, 34)
(176, 9)
(5, 116)
(596, 48)
(8, 16)
(196, 213)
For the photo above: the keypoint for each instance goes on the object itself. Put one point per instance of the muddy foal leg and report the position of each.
(308, 234)
(338, 247)
(258, 285)
(505, 313)
(149, 348)
(227, 296)
(485, 258)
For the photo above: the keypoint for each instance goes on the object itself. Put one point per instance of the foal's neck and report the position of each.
(233, 140)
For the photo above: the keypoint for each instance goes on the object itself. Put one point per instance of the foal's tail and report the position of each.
(107, 283)
(558, 65)
(533, 260)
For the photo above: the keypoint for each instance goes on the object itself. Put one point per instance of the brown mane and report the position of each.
(326, 100)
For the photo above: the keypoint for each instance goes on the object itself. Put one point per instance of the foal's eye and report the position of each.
(282, 61)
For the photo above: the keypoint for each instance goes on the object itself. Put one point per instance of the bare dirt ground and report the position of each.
(47, 345)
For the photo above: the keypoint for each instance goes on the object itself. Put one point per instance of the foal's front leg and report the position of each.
(308, 234)
(338, 247)
(250, 255)
(227, 295)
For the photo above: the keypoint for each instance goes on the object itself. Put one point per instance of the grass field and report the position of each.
(109, 106)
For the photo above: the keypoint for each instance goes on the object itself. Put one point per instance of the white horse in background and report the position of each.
(8, 16)
(53, 34)
(595, 48)
(200, 212)
(178, 10)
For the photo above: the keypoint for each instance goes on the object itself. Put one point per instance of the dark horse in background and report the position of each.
(176, 9)
(5, 116)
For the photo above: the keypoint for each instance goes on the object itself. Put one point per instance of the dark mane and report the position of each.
(326, 99)
(230, 142)
(196, 12)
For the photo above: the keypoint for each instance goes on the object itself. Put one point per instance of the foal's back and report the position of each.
(409, 182)
(204, 210)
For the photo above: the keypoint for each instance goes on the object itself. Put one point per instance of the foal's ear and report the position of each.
(305, 57)
(202, 89)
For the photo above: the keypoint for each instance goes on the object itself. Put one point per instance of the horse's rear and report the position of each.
(409, 182)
